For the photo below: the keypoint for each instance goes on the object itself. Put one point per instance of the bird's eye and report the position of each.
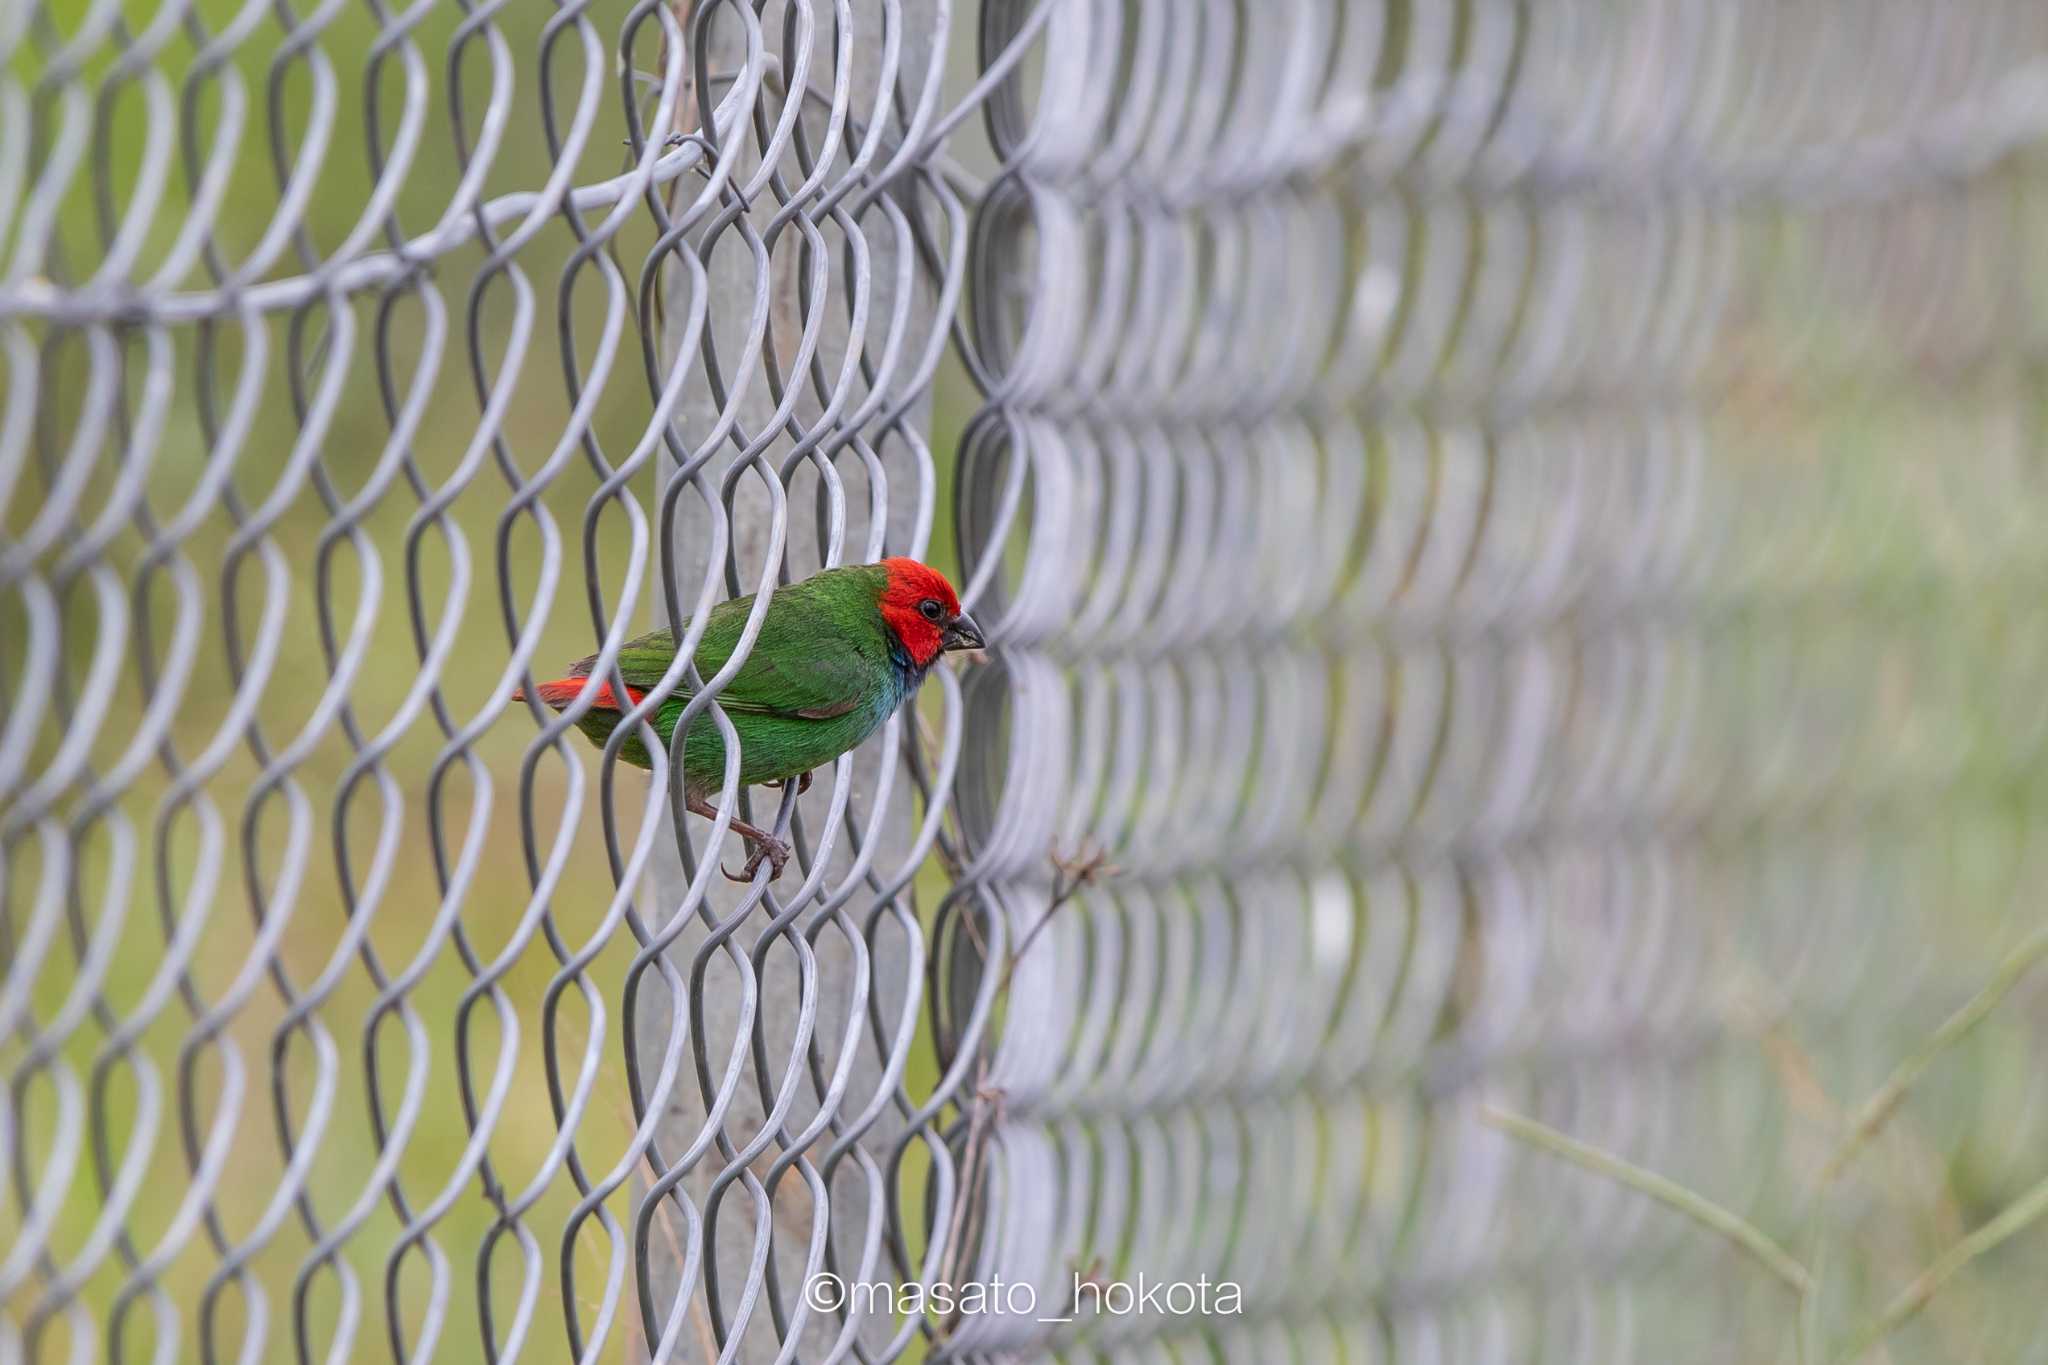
(931, 609)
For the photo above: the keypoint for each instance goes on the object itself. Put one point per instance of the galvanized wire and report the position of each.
(1510, 535)
(156, 321)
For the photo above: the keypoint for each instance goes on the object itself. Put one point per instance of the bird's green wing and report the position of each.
(805, 663)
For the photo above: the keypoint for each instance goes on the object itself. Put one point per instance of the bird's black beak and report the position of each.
(962, 633)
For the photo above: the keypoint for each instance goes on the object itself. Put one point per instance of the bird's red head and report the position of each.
(922, 608)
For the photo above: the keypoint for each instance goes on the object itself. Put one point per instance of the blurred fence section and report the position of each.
(1520, 528)
(1513, 536)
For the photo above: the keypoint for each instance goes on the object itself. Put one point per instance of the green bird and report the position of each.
(837, 653)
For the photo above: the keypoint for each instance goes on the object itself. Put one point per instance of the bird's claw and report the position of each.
(773, 851)
(803, 783)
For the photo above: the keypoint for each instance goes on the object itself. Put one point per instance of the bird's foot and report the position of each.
(765, 845)
(803, 783)
(767, 849)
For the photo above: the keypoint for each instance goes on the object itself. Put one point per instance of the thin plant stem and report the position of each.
(1873, 1114)
(1670, 1193)
(1070, 875)
(1811, 1330)
(2015, 1218)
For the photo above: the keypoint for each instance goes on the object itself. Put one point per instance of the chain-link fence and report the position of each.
(1511, 536)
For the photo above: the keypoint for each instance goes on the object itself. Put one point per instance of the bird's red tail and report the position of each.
(562, 691)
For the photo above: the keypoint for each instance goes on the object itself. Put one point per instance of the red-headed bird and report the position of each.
(837, 653)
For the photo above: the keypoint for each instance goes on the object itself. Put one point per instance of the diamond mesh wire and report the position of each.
(1511, 534)
(361, 362)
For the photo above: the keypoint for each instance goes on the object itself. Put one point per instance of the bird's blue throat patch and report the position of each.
(908, 673)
